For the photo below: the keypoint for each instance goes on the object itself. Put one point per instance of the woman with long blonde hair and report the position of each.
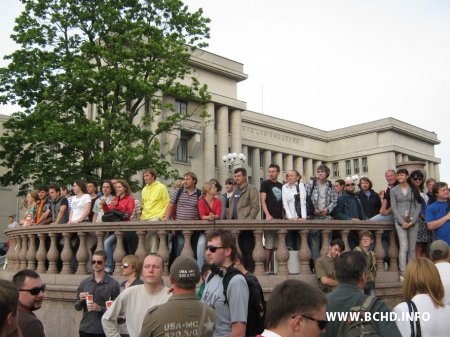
(424, 293)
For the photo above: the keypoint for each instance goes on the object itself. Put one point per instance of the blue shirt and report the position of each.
(435, 211)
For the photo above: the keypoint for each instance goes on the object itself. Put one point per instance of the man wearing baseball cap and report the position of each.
(184, 314)
(440, 255)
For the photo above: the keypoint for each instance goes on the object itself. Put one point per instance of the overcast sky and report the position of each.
(331, 64)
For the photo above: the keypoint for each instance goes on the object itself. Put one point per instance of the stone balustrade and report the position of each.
(36, 247)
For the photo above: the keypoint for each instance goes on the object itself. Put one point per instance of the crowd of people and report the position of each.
(422, 223)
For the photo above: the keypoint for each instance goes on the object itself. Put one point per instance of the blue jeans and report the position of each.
(110, 245)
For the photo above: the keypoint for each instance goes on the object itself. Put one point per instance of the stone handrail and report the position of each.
(27, 247)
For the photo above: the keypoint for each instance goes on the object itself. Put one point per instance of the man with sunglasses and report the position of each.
(31, 293)
(350, 268)
(231, 311)
(102, 288)
(295, 309)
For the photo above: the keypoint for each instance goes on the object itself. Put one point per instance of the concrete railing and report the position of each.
(36, 247)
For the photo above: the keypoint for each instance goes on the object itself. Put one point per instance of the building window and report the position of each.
(356, 166)
(261, 160)
(365, 166)
(182, 149)
(335, 167)
(348, 167)
(181, 107)
(250, 157)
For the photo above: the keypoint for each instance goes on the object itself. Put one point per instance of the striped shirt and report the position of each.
(187, 205)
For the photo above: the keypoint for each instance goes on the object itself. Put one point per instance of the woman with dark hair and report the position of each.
(423, 234)
(424, 294)
(406, 206)
(81, 203)
(370, 200)
(109, 193)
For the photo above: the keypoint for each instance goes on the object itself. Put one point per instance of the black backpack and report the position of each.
(256, 314)
(360, 327)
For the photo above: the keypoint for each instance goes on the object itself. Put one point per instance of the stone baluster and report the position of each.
(53, 254)
(344, 237)
(31, 253)
(41, 254)
(23, 252)
(82, 254)
(100, 240)
(379, 250)
(67, 254)
(282, 254)
(10, 253)
(163, 250)
(258, 253)
(140, 250)
(393, 252)
(18, 250)
(119, 252)
(325, 241)
(236, 233)
(304, 253)
(187, 248)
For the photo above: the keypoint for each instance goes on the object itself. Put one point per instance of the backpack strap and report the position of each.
(180, 190)
(229, 274)
(412, 308)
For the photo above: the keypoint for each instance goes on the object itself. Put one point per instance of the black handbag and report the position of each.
(114, 215)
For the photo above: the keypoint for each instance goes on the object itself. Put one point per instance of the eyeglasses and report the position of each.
(417, 178)
(35, 291)
(97, 262)
(321, 323)
(124, 266)
(212, 248)
(352, 184)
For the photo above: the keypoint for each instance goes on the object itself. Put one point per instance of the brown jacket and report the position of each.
(248, 204)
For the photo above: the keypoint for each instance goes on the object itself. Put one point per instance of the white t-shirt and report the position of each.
(79, 205)
(434, 322)
(444, 271)
(133, 302)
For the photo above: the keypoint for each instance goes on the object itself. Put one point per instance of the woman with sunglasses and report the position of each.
(424, 294)
(423, 234)
(131, 269)
(406, 206)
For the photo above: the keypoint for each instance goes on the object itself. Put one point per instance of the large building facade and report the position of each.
(367, 149)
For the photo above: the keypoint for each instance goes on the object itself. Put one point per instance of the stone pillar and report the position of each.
(236, 134)
(222, 141)
(209, 159)
(398, 158)
(267, 162)
(245, 153)
(342, 171)
(309, 170)
(431, 170)
(316, 164)
(405, 158)
(436, 172)
(278, 159)
(255, 166)
(289, 163)
(298, 165)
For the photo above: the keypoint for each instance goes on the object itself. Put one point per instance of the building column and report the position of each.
(405, 158)
(222, 141)
(342, 172)
(309, 170)
(398, 158)
(278, 159)
(209, 159)
(298, 165)
(436, 172)
(267, 162)
(236, 134)
(289, 163)
(431, 170)
(255, 167)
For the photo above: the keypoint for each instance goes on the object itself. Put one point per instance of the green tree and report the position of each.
(116, 57)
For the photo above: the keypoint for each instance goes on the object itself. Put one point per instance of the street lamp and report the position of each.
(234, 159)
